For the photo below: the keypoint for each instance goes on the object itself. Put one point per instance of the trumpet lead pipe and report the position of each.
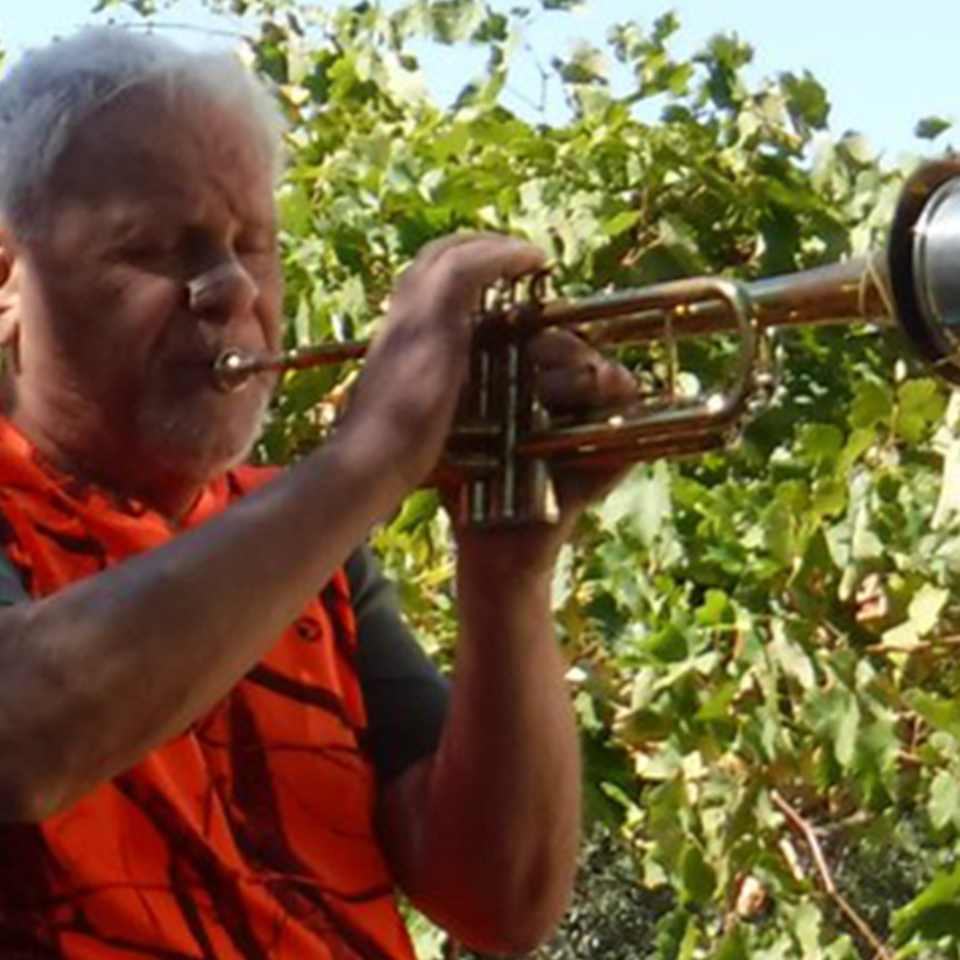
(855, 290)
(234, 367)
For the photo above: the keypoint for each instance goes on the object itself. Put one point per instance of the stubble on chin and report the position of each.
(182, 439)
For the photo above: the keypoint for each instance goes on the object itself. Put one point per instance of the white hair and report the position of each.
(48, 96)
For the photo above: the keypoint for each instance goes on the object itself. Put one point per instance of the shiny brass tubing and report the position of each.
(851, 291)
(234, 367)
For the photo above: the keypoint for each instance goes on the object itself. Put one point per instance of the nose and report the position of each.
(222, 292)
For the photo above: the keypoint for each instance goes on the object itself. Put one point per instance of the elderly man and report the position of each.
(216, 739)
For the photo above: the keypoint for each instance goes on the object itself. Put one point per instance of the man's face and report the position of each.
(113, 356)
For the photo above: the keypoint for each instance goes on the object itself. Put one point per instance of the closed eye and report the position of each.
(144, 250)
(147, 253)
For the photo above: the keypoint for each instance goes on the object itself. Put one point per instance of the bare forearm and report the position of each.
(498, 832)
(95, 676)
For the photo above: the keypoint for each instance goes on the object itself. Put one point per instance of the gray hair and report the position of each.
(53, 91)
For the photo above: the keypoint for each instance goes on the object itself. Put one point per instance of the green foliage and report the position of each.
(929, 128)
(612, 916)
(761, 641)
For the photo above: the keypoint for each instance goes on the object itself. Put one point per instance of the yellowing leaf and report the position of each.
(925, 608)
(944, 805)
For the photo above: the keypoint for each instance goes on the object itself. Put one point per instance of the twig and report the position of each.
(924, 646)
(540, 106)
(187, 27)
(800, 826)
(948, 640)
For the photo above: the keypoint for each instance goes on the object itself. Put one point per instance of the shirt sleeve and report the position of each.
(405, 694)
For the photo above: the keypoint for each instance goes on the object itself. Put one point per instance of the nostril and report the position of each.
(209, 287)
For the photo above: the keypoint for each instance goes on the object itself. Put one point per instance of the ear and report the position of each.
(9, 294)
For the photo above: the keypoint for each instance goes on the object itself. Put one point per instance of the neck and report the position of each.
(112, 466)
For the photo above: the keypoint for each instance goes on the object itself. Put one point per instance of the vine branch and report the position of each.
(804, 829)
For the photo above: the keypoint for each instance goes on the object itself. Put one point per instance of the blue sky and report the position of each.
(885, 63)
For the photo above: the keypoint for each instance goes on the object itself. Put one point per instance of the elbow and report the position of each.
(21, 801)
(28, 792)
(515, 932)
(505, 920)
(513, 943)
(29, 806)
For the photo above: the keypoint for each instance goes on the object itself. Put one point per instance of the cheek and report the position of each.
(104, 300)
(135, 317)
(108, 331)
(270, 311)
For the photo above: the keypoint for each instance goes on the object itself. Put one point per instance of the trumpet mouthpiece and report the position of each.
(233, 369)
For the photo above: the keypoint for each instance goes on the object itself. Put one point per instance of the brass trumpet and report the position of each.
(505, 446)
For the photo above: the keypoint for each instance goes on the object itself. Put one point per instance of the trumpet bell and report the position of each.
(923, 263)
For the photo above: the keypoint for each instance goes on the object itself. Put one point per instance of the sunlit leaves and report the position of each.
(935, 913)
(806, 100)
(929, 128)
(921, 404)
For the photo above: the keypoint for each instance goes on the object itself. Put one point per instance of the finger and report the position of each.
(572, 376)
(431, 251)
(460, 266)
(435, 250)
(578, 487)
(483, 261)
(555, 348)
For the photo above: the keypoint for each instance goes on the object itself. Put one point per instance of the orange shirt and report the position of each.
(248, 837)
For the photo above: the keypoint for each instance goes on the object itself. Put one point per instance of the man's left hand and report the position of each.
(571, 378)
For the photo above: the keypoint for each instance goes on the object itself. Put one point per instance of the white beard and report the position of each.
(176, 436)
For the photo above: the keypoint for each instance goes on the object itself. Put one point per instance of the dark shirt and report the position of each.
(405, 695)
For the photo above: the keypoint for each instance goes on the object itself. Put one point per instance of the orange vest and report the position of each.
(250, 836)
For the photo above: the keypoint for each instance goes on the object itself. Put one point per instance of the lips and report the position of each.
(208, 356)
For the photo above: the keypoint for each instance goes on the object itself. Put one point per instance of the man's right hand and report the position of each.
(406, 397)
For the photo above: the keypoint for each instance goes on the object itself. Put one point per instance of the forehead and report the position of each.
(162, 149)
